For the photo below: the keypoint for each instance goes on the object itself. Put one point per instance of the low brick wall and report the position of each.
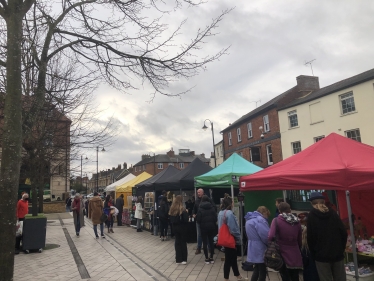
(54, 207)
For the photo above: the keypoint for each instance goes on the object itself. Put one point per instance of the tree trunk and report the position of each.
(12, 141)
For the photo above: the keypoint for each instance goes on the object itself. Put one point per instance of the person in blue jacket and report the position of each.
(232, 223)
(257, 228)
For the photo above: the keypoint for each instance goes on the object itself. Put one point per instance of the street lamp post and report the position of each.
(81, 169)
(214, 150)
(97, 167)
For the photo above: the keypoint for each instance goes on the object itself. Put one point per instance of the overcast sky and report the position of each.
(270, 43)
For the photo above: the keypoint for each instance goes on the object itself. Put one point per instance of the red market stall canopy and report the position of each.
(333, 163)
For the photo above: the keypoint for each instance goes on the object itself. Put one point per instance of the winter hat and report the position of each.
(315, 195)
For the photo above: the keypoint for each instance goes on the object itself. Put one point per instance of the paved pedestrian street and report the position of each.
(123, 255)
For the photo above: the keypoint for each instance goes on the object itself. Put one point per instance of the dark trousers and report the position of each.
(230, 262)
(163, 228)
(288, 274)
(331, 271)
(78, 224)
(119, 218)
(259, 272)
(109, 222)
(207, 236)
(180, 232)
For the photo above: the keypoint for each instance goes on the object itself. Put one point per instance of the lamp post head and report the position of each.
(86, 158)
(103, 150)
(204, 127)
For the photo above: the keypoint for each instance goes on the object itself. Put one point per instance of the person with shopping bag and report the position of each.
(229, 237)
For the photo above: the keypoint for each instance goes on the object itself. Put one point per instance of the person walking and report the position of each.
(77, 207)
(287, 229)
(179, 219)
(22, 211)
(119, 205)
(95, 211)
(139, 213)
(207, 219)
(86, 206)
(257, 229)
(200, 193)
(163, 217)
(327, 238)
(68, 204)
(108, 210)
(227, 216)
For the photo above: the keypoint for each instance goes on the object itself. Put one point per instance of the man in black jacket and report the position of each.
(327, 239)
(119, 205)
(200, 193)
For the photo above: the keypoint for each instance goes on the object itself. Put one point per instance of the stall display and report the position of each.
(365, 273)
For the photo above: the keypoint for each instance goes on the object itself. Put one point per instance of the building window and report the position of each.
(347, 103)
(296, 147)
(143, 167)
(160, 166)
(353, 134)
(181, 165)
(269, 154)
(135, 168)
(249, 128)
(266, 123)
(317, 139)
(241, 153)
(239, 133)
(222, 150)
(230, 141)
(292, 119)
(254, 154)
(217, 152)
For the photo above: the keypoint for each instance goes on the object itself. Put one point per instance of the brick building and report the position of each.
(157, 163)
(107, 177)
(256, 135)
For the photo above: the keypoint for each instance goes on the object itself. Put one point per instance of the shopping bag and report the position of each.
(225, 238)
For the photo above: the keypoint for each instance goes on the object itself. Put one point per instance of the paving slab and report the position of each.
(123, 255)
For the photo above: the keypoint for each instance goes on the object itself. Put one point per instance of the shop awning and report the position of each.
(112, 187)
(127, 187)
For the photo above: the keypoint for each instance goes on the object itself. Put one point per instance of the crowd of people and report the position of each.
(314, 246)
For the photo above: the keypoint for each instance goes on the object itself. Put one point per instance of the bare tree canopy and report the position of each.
(112, 41)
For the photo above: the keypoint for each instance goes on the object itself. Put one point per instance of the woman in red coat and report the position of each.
(289, 237)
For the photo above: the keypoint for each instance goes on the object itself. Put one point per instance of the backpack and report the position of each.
(273, 258)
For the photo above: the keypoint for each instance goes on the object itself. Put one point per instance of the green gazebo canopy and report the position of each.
(227, 174)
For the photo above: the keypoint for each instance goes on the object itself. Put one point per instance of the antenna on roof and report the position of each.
(255, 101)
(310, 62)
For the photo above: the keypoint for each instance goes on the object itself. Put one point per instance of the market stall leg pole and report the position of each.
(155, 230)
(354, 253)
(232, 192)
(241, 229)
(284, 195)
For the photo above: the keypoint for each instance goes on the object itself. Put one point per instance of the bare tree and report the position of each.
(114, 41)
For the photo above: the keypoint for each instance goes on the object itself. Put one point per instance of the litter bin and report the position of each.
(34, 233)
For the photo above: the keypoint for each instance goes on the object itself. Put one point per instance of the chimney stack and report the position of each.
(307, 83)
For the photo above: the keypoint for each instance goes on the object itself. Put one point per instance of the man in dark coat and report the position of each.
(327, 239)
(119, 206)
(200, 193)
(207, 219)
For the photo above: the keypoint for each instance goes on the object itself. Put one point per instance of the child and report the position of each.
(310, 271)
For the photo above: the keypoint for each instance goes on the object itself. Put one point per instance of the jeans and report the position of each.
(78, 224)
(68, 208)
(180, 232)
(199, 239)
(230, 262)
(207, 237)
(138, 224)
(101, 229)
(331, 271)
(259, 272)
